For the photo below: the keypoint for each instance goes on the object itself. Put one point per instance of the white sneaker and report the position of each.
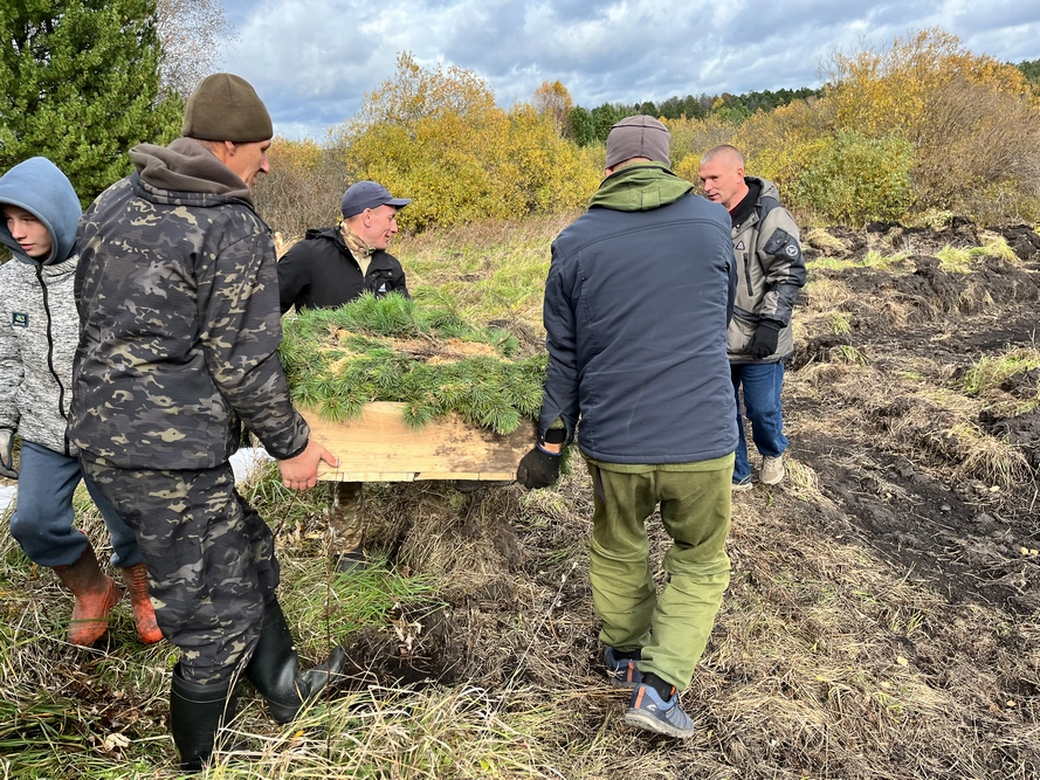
(773, 471)
(743, 485)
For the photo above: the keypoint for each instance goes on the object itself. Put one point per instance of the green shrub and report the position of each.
(853, 179)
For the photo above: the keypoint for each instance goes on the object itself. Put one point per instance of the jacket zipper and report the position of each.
(50, 352)
(747, 263)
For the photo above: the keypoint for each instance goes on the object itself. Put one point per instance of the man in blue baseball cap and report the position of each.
(333, 266)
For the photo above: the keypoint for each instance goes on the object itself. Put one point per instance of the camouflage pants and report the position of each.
(344, 518)
(210, 557)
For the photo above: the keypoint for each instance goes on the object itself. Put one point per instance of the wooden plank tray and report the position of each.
(379, 446)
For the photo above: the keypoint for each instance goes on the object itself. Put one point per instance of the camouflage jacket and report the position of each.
(770, 271)
(177, 291)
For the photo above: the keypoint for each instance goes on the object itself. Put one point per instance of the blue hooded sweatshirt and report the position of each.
(38, 186)
(39, 325)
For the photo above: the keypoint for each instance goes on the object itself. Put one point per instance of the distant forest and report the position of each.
(591, 125)
(1032, 70)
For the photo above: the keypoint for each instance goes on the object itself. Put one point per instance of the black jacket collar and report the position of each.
(743, 209)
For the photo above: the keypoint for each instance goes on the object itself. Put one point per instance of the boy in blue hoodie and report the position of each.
(39, 331)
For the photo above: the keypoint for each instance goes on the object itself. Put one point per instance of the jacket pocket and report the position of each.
(738, 337)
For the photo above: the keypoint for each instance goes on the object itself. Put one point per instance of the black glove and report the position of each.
(538, 468)
(7, 468)
(763, 343)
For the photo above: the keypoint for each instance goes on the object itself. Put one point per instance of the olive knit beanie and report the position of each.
(225, 107)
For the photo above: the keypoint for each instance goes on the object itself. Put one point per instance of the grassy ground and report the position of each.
(881, 622)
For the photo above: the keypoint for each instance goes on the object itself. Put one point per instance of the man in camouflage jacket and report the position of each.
(178, 296)
(770, 271)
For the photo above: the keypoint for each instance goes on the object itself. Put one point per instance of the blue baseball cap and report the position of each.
(368, 195)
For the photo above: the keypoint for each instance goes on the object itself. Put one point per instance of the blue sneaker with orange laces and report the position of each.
(647, 710)
(621, 671)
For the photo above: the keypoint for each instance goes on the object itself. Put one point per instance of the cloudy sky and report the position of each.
(313, 60)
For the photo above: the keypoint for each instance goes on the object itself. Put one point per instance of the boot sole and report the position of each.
(645, 720)
(283, 714)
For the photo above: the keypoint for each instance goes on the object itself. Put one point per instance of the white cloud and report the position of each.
(313, 60)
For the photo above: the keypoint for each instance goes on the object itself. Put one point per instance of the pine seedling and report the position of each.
(395, 349)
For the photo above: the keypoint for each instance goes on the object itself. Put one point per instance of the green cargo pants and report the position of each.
(671, 628)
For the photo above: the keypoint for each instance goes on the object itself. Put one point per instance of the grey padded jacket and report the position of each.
(39, 328)
(770, 271)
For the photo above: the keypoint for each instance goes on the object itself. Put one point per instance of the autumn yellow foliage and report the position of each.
(973, 122)
(920, 125)
(302, 189)
(435, 135)
(891, 91)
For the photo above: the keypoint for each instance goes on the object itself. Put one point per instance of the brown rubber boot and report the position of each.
(136, 579)
(95, 594)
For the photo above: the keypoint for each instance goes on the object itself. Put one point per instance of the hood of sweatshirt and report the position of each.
(186, 172)
(640, 188)
(39, 187)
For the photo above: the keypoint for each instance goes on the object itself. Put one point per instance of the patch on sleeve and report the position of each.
(19, 319)
(783, 244)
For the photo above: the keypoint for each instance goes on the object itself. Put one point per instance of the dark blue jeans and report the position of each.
(43, 519)
(762, 383)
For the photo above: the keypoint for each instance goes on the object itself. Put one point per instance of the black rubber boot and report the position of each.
(196, 712)
(275, 671)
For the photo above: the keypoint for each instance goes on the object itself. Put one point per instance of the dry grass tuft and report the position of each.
(991, 371)
(821, 239)
(803, 483)
(824, 294)
(987, 457)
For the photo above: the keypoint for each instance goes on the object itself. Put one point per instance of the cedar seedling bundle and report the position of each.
(395, 349)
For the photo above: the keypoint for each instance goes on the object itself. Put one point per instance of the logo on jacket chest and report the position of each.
(19, 319)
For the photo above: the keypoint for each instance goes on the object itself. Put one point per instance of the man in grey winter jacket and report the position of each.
(770, 271)
(178, 294)
(39, 329)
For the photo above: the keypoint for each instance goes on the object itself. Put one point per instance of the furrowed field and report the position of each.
(882, 620)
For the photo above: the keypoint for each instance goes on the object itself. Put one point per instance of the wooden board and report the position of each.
(380, 446)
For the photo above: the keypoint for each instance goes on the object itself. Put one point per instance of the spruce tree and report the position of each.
(79, 83)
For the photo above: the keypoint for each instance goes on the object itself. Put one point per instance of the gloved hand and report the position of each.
(763, 343)
(7, 468)
(539, 468)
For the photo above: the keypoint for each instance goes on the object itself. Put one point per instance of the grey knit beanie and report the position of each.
(638, 136)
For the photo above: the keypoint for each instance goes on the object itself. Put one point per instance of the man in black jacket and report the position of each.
(636, 308)
(329, 268)
(333, 266)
